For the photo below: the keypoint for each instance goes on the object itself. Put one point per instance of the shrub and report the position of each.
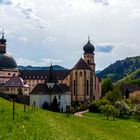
(46, 105)
(124, 109)
(104, 101)
(70, 110)
(95, 105)
(128, 102)
(82, 107)
(137, 111)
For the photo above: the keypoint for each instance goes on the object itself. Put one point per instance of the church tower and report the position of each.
(89, 54)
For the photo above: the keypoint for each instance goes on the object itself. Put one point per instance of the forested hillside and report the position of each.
(120, 68)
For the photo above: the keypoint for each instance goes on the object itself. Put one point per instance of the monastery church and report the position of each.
(77, 84)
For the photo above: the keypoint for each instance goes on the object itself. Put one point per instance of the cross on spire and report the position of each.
(3, 34)
(88, 38)
(51, 62)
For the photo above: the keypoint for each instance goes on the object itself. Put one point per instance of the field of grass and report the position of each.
(40, 124)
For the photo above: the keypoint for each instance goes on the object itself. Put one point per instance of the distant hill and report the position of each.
(55, 67)
(97, 71)
(121, 68)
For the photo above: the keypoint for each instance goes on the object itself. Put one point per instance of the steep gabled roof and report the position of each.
(42, 88)
(81, 64)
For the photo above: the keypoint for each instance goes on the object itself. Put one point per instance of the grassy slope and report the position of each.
(44, 125)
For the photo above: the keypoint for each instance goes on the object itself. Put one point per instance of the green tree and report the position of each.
(113, 96)
(107, 85)
(95, 105)
(109, 110)
(54, 105)
(20, 91)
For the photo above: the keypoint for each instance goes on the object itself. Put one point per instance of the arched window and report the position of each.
(80, 74)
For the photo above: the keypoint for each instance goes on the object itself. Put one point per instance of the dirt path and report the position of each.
(79, 114)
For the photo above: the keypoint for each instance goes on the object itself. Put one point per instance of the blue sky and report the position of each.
(39, 32)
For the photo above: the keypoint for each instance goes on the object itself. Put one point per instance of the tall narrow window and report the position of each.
(87, 87)
(74, 87)
(95, 82)
(80, 74)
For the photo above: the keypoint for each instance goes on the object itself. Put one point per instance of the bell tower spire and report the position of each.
(88, 38)
(2, 43)
(3, 34)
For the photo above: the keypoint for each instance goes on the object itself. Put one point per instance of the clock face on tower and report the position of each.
(88, 56)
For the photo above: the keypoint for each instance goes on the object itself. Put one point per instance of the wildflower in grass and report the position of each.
(23, 126)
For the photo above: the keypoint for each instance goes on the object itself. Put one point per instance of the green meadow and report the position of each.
(38, 124)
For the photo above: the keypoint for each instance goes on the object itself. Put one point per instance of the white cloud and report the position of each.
(41, 62)
(135, 13)
(22, 39)
(28, 9)
(50, 39)
(104, 2)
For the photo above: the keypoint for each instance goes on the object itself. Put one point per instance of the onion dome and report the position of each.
(7, 61)
(89, 48)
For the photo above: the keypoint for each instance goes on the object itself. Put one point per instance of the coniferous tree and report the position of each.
(55, 105)
(107, 86)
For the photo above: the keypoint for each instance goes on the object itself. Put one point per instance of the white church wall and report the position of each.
(63, 99)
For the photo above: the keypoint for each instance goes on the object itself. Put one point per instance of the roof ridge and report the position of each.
(81, 64)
